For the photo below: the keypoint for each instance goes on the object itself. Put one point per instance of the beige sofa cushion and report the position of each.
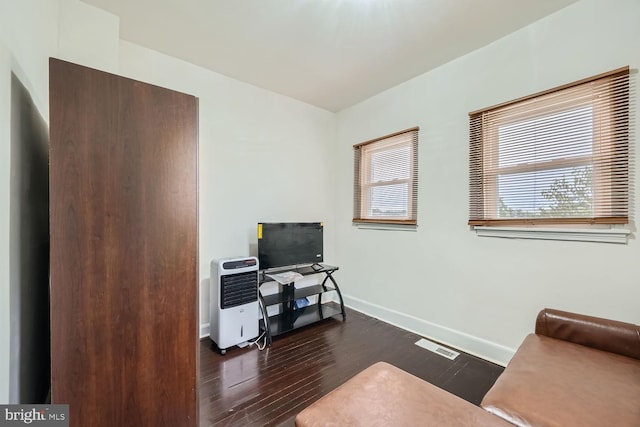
(383, 395)
(551, 382)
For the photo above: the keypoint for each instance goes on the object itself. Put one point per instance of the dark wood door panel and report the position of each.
(123, 249)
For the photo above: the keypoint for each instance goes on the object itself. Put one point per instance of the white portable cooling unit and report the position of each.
(234, 309)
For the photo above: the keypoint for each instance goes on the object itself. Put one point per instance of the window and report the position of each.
(557, 157)
(386, 179)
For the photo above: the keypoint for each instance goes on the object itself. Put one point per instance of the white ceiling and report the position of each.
(328, 53)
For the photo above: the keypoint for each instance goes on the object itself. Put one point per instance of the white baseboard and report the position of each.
(479, 347)
(204, 330)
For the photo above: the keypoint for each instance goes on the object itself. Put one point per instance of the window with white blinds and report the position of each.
(386, 179)
(557, 157)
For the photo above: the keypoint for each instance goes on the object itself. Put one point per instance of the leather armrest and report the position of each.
(602, 334)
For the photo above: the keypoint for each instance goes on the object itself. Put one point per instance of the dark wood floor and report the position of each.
(251, 387)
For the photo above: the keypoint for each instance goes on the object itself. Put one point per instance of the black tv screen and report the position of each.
(283, 244)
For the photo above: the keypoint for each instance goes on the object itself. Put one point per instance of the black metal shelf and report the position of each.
(284, 297)
(290, 317)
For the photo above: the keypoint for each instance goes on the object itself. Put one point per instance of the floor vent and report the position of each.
(437, 348)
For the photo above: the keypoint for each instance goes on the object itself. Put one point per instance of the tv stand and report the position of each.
(290, 316)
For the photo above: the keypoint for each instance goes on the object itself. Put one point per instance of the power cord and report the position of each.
(256, 341)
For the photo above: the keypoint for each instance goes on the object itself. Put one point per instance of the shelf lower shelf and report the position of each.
(285, 322)
(307, 291)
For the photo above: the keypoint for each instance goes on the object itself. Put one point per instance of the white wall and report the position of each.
(29, 31)
(482, 294)
(28, 36)
(88, 35)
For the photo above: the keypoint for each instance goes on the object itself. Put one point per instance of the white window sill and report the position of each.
(382, 226)
(612, 235)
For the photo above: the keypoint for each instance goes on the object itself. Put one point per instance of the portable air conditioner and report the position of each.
(234, 310)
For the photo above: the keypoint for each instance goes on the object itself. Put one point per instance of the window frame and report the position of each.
(485, 170)
(363, 154)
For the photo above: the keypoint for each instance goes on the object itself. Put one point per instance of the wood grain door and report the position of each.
(124, 247)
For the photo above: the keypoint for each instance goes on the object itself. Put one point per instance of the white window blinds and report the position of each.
(557, 157)
(386, 179)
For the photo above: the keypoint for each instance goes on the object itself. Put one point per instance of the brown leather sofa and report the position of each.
(575, 370)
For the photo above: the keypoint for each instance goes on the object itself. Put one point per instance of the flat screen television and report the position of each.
(283, 244)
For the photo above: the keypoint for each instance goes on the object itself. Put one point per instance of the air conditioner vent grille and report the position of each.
(238, 289)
